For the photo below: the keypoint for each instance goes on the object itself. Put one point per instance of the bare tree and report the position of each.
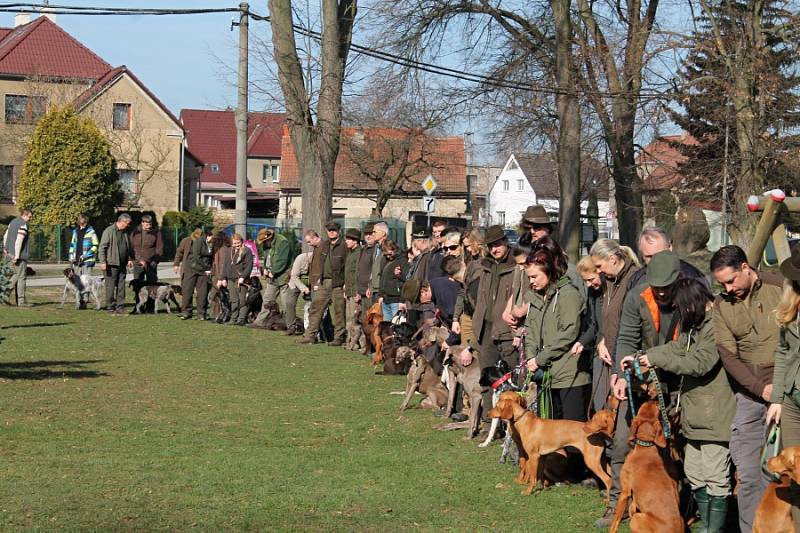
(315, 133)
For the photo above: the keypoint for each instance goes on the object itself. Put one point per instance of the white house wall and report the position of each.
(512, 202)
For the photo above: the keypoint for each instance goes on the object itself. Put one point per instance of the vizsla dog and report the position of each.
(372, 332)
(774, 513)
(654, 506)
(538, 437)
(421, 375)
(469, 377)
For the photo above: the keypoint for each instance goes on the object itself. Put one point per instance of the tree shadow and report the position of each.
(39, 370)
(36, 325)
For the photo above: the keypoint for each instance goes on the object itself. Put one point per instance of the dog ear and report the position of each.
(634, 430)
(659, 438)
(442, 335)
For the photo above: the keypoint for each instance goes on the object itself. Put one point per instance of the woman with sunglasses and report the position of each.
(392, 278)
(452, 244)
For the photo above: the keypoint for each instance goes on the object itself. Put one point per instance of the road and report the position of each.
(165, 272)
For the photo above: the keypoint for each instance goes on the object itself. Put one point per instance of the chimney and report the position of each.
(21, 19)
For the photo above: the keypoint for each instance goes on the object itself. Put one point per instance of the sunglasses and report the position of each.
(540, 226)
(367, 233)
(452, 248)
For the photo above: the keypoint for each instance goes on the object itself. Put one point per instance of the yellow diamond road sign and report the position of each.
(429, 185)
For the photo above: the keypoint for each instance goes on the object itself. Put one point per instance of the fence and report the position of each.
(50, 243)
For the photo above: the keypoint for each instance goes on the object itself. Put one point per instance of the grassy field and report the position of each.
(143, 423)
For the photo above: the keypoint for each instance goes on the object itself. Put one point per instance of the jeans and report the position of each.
(748, 433)
(389, 310)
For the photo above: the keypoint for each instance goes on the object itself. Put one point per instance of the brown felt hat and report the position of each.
(353, 234)
(536, 214)
(333, 226)
(494, 234)
(368, 227)
(265, 234)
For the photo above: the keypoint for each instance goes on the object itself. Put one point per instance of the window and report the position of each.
(214, 168)
(22, 109)
(122, 116)
(271, 172)
(520, 185)
(6, 184)
(501, 217)
(513, 165)
(127, 180)
(505, 185)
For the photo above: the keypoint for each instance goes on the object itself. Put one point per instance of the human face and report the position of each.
(436, 232)
(369, 238)
(591, 279)
(610, 266)
(236, 244)
(520, 261)
(312, 241)
(539, 280)
(540, 230)
(350, 243)
(422, 244)
(650, 248)
(452, 248)
(28, 216)
(736, 282)
(389, 255)
(473, 247)
(378, 235)
(425, 295)
(498, 249)
(146, 225)
(333, 234)
(122, 225)
(663, 296)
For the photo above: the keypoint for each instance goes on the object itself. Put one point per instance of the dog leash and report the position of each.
(662, 407)
(627, 372)
(771, 449)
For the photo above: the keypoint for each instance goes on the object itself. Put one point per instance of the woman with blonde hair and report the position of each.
(238, 268)
(616, 264)
(785, 401)
(474, 247)
(590, 330)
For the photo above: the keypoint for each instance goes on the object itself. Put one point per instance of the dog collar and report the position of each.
(500, 381)
(644, 443)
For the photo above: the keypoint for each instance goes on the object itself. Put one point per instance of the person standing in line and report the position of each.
(16, 243)
(115, 256)
(392, 278)
(196, 277)
(278, 259)
(237, 270)
(298, 284)
(747, 334)
(380, 232)
(352, 240)
(83, 246)
(148, 247)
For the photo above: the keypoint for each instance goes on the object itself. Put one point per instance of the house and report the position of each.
(41, 66)
(372, 156)
(528, 179)
(658, 164)
(211, 135)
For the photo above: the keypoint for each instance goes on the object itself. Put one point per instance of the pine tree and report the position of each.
(738, 83)
(68, 170)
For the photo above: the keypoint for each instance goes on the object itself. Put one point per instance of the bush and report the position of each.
(173, 219)
(198, 216)
(68, 170)
(6, 271)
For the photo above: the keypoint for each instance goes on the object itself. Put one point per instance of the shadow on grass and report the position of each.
(39, 370)
(37, 325)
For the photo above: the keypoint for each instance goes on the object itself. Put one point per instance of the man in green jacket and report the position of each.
(278, 258)
(352, 240)
(115, 255)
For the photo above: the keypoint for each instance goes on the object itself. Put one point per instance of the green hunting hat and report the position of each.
(368, 227)
(353, 234)
(663, 269)
(333, 226)
(421, 233)
(494, 234)
(536, 214)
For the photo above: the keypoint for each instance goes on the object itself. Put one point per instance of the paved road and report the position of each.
(164, 273)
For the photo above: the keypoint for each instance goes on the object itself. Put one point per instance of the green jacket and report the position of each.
(200, 258)
(787, 362)
(553, 325)
(706, 398)
(280, 259)
(351, 272)
(115, 247)
(639, 324)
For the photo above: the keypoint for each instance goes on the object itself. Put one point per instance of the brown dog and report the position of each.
(774, 513)
(654, 506)
(538, 437)
(421, 375)
(469, 377)
(372, 334)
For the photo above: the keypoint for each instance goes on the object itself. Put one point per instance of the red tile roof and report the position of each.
(658, 161)
(445, 158)
(42, 48)
(211, 135)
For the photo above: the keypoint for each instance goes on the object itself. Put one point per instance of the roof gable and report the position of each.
(541, 172)
(211, 136)
(42, 48)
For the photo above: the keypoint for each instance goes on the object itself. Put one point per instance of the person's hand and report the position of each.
(466, 357)
(316, 287)
(620, 389)
(208, 272)
(516, 342)
(400, 307)
(613, 379)
(176, 268)
(509, 319)
(774, 413)
(644, 361)
(397, 271)
(577, 349)
(519, 312)
(380, 300)
(143, 264)
(532, 365)
(456, 327)
(270, 275)
(357, 298)
(130, 263)
(306, 290)
(102, 266)
(767, 392)
(369, 292)
(603, 354)
(626, 361)
(240, 282)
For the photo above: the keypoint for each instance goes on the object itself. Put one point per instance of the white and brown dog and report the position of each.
(163, 294)
(81, 286)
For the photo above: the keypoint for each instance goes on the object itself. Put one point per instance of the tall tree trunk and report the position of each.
(568, 151)
(316, 145)
(627, 184)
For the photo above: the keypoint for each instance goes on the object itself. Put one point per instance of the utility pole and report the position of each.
(240, 217)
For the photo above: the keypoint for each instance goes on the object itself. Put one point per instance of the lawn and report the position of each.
(144, 423)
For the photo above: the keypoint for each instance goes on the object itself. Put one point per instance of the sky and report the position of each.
(188, 61)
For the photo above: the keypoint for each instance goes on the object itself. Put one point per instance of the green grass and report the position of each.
(142, 423)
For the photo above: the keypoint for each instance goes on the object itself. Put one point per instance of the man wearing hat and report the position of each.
(493, 335)
(352, 241)
(537, 222)
(326, 276)
(278, 259)
(648, 319)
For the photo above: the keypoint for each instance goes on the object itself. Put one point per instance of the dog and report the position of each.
(372, 334)
(538, 437)
(253, 299)
(161, 293)
(500, 379)
(80, 286)
(469, 377)
(655, 504)
(774, 512)
(400, 336)
(421, 376)
(356, 340)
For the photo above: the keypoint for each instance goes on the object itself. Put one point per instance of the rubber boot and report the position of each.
(717, 514)
(702, 500)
